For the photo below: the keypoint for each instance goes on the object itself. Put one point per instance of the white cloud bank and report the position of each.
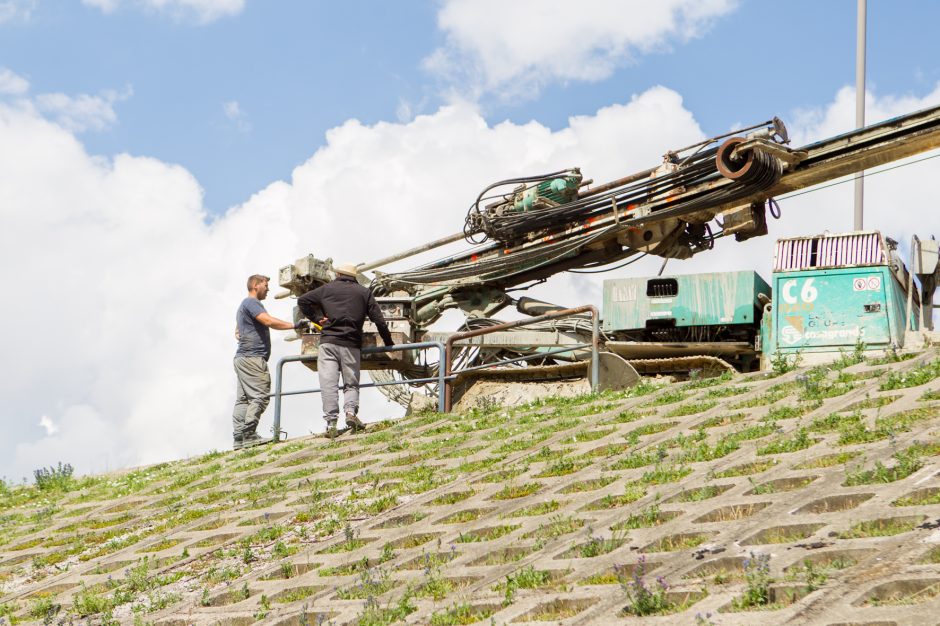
(514, 48)
(77, 113)
(202, 11)
(83, 112)
(123, 333)
(16, 10)
(237, 116)
(12, 84)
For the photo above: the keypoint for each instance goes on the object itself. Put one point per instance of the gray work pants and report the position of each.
(331, 360)
(251, 397)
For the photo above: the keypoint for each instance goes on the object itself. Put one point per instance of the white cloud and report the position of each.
(16, 10)
(48, 425)
(141, 287)
(12, 84)
(106, 6)
(233, 112)
(514, 48)
(83, 112)
(403, 112)
(202, 11)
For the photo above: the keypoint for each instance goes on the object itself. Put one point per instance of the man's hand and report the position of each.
(273, 322)
(302, 325)
(238, 335)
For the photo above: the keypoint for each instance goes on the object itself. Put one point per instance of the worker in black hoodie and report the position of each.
(341, 307)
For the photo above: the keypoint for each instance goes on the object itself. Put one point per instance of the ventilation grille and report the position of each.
(662, 287)
(829, 251)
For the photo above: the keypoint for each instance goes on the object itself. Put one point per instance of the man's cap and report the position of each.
(349, 269)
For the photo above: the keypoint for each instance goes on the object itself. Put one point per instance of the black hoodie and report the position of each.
(346, 304)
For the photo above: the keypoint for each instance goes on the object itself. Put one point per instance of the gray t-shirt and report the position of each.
(254, 338)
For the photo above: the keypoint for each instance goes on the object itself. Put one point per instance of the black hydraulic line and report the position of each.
(758, 171)
(609, 269)
(513, 226)
(474, 211)
(649, 187)
(585, 208)
(773, 208)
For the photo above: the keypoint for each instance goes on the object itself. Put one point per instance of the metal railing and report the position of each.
(300, 358)
(595, 343)
(445, 374)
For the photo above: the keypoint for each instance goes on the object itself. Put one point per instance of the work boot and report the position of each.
(331, 431)
(353, 423)
(254, 439)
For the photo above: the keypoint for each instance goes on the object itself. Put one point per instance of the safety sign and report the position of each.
(867, 283)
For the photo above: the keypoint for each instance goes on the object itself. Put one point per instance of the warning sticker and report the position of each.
(869, 283)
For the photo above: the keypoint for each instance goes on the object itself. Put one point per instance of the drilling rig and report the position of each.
(523, 230)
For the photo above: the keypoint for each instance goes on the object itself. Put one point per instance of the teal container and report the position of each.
(715, 300)
(851, 297)
(833, 309)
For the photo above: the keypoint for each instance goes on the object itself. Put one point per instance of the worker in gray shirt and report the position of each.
(252, 329)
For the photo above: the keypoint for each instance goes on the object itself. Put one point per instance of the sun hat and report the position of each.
(349, 269)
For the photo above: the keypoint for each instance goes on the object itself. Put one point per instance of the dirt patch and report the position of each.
(485, 393)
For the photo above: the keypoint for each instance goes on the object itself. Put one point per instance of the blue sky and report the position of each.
(299, 68)
(154, 153)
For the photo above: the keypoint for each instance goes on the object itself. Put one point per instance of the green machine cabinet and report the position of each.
(700, 307)
(833, 292)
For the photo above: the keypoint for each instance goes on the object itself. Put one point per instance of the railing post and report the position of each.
(278, 387)
(441, 377)
(595, 349)
(449, 346)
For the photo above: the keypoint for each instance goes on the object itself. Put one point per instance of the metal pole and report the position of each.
(441, 382)
(908, 318)
(437, 243)
(278, 385)
(595, 353)
(860, 105)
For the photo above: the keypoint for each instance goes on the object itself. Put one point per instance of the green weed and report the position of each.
(512, 491)
(644, 598)
(647, 518)
(463, 613)
(692, 408)
(667, 397)
(486, 534)
(800, 440)
(589, 485)
(451, 498)
(913, 377)
(906, 463)
(880, 528)
(556, 527)
(632, 493)
(757, 581)
(540, 508)
(562, 467)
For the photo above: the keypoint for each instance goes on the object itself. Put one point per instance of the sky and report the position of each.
(153, 153)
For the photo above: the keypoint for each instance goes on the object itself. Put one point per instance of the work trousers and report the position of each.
(332, 360)
(251, 397)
